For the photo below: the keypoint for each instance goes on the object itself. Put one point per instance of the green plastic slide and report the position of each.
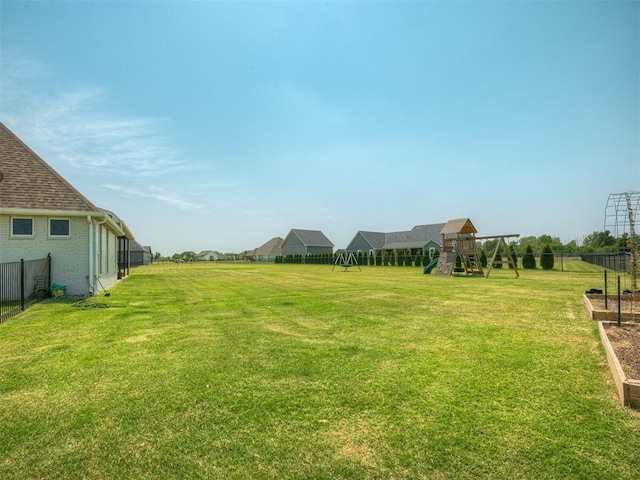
(432, 263)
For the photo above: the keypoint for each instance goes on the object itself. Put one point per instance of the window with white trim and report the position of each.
(21, 227)
(59, 227)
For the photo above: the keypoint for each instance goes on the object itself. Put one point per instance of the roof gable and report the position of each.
(375, 239)
(459, 225)
(311, 238)
(135, 246)
(272, 247)
(30, 183)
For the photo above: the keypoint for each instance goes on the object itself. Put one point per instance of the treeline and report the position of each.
(596, 242)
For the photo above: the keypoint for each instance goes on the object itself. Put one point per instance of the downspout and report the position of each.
(91, 280)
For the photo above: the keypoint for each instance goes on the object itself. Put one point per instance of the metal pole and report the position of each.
(22, 284)
(49, 278)
(618, 300)
(606, 296)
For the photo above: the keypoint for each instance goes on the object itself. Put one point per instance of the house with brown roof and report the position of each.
(41, 213)
(268, 251)
(209, 256)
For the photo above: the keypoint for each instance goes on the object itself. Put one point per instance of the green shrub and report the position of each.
(418, 259)
(483, 259)
(546, 258)
(528, 260)
(408, 259)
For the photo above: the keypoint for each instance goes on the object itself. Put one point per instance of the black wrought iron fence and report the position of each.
(23, 283)
(618, 262)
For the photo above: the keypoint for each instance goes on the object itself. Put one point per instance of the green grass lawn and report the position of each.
(293, 371)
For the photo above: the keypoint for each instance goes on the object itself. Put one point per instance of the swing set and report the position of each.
(346, 260)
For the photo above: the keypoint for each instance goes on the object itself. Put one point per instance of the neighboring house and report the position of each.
(369, 242)
(268, 251)
(209, 256)
(304, 242)
(41, 213)
(421, 238)
(139, 254)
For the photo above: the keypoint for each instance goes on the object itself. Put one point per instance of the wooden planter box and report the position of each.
(628, 389)
(612, 313)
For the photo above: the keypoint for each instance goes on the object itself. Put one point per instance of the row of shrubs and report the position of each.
(405, 258)
(362, 258)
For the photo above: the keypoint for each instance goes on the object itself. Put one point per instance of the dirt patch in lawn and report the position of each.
(625, 341)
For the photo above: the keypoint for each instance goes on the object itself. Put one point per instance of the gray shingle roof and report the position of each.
(30, 183)
(135, 246)
(312, 238)
(417, 237)
(375, 239)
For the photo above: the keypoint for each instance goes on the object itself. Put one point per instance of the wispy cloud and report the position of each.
(156, 194)
(77, 127)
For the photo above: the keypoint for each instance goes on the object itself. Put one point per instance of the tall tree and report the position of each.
(599, 241)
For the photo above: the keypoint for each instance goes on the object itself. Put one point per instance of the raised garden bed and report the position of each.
(629, 307)
(622, 345)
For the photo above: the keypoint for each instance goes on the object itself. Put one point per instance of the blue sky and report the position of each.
(219, 125)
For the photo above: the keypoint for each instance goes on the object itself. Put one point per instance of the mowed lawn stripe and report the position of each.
(290, 371)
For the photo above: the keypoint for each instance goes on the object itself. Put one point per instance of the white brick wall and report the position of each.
(69, 256)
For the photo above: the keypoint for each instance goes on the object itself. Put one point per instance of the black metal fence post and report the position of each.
(49, 271)
(619, 300)
(606, 296)
(22, 284)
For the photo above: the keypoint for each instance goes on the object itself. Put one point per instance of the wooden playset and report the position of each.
(459, 240)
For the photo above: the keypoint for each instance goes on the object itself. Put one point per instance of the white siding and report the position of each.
(109, 259)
